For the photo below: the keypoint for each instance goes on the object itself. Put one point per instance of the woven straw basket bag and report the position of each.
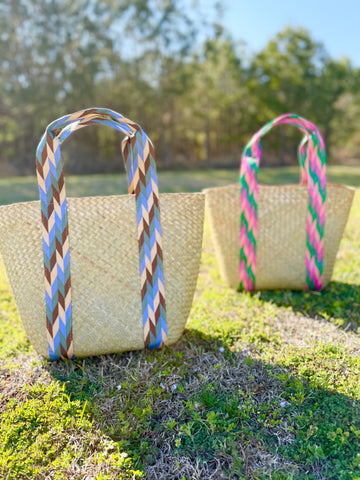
(275, 237)
(116, 278)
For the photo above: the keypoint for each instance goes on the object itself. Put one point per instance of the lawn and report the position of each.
(261, 386)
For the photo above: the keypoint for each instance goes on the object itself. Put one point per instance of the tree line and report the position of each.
(197, 93)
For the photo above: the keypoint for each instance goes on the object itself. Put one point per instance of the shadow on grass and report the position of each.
(339, 302)
(198, 410)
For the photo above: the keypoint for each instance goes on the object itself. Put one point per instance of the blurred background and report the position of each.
(199, 76)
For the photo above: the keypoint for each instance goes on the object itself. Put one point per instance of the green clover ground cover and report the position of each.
(262, 385)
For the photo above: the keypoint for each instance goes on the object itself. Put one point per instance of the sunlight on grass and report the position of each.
(22, 189)
(261, 385)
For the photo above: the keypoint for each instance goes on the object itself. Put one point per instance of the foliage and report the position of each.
(56, 54)
(197, 92)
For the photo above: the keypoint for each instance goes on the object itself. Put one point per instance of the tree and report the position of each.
(48, 63)
(141, 57)
(293, 73)
(283, 78)
(338, 81)
(214, 106)
(54, 53)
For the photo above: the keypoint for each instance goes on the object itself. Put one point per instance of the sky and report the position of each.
(335, 23)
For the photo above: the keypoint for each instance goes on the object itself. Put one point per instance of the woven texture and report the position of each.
(140, 164)
(312, 159)
(281, 232)
(139, 158)
(106, 286)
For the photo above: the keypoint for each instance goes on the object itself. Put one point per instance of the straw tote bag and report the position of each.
(116, 277)
(279, 237)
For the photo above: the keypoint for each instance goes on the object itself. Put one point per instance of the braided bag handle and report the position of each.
(303, 154)
(140, 165)
(312, 159)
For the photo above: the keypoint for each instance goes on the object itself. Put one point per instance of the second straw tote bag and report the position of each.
(279, 237)
(102, 275)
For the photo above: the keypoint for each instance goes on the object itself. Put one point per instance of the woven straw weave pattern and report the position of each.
(106, 294)
(282, 213)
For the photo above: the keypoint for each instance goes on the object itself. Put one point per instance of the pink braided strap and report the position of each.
(312, 158)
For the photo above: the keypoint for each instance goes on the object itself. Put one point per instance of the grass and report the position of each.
(23, 189)
(261, 386)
